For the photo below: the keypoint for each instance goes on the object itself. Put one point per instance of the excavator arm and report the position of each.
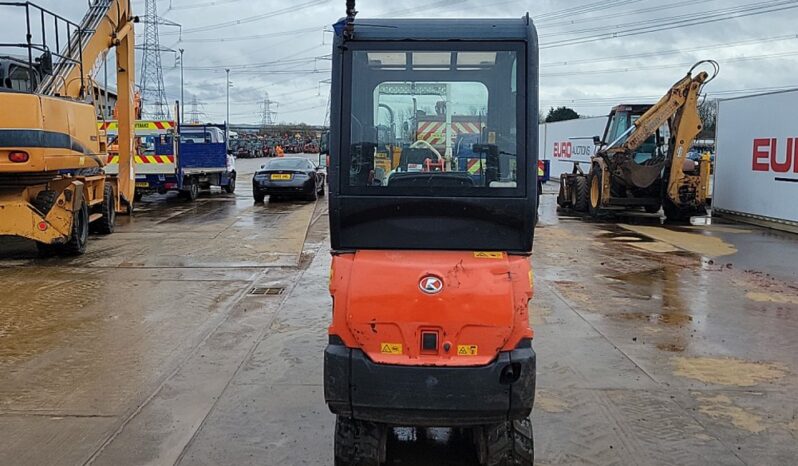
(107, 24)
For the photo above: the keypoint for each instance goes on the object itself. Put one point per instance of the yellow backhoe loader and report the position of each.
(642, 159)
(53, 188)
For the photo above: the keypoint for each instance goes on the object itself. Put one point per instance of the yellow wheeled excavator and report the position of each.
(53, 188)
(642, 159)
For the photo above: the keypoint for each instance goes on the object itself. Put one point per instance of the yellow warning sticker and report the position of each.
(488, 255)
(467, 350)
(391, 348)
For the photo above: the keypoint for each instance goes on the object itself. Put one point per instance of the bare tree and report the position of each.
(708, 111)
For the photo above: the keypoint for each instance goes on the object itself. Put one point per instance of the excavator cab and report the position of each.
(430, 274)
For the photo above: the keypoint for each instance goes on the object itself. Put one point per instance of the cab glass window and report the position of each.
(434, 120)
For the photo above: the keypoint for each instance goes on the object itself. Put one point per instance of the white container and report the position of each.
(564, 142)
(756, 163)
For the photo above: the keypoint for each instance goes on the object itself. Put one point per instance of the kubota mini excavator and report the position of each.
(52, 185)
(431, 275)
(637, 165)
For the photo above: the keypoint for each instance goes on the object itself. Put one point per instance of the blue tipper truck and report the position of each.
(201, 161)
(183, 158)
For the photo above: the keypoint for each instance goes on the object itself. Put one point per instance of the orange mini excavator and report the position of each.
(431, 276)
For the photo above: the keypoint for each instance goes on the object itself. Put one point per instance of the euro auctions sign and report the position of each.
(567, 149)
(565, 142)
(756, 161)
(767, 156)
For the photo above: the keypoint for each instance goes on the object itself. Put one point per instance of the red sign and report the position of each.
(562, 150)
(766, 156)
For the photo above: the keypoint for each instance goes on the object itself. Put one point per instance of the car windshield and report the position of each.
(434, 119)
(287, 164)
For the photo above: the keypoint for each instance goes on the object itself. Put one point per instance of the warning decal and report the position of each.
(488, 255)
(467, 350)
(391, 348)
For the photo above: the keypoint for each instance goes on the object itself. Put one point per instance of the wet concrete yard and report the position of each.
(656, 345)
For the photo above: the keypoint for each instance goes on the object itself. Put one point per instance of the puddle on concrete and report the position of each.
(667, 319)
(694, 242)
(37, 315)
(656, 246)
(626, 238)
(721, 407)
(574, 292)
(637, 240)
(550, 402)
(778, 298)
(538, 313)
(728, 371)
(672, 347)
(719, 229)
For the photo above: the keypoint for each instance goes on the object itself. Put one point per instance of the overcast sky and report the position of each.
(280, 47)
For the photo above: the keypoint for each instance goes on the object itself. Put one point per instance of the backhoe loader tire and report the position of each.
(562, 200)
(105, 225)
(652, 209)
(596, 179)
(674, 213)
(359, 443)
(507, 444)
(79, 233)
(581, 194)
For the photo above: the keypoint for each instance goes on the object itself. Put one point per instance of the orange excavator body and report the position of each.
(388, 313)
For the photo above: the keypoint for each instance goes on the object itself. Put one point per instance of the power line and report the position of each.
(195, 116)
(268, 115)
(153, 95)
(660, 53)
(255, 36)
(201, 5)
(761, 8)
(252, 19)
(666, 66)
(571, 22)
(641, 23)
(586, 8)
(584, 101)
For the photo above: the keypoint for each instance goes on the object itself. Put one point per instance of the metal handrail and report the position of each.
(59, 23)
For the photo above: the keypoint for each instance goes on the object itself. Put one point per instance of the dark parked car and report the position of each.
(288, 176)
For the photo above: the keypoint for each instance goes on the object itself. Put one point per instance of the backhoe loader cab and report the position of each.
(431, 235)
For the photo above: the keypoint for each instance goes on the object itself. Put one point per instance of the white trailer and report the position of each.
(756, 164)
(566, 142)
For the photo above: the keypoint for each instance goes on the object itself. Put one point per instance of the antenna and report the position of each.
(349, 30)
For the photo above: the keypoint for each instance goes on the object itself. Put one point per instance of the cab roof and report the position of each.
(442, 29)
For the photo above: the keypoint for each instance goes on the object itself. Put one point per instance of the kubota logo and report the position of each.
(431, 284)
